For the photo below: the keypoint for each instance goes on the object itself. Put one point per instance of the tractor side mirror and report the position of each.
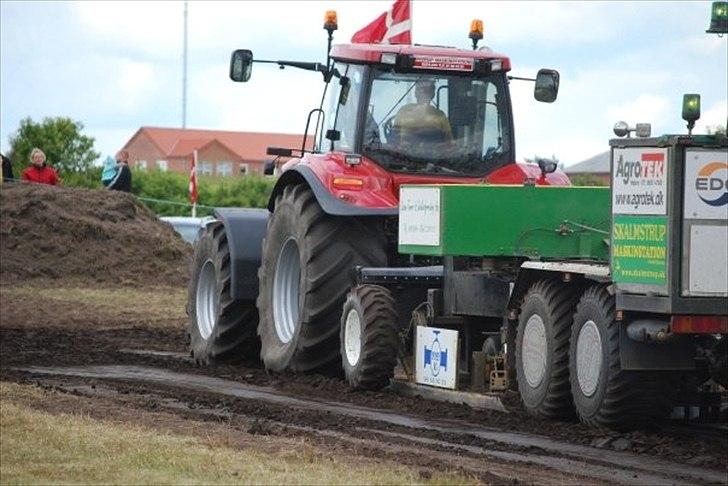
(241, 65)
(269, 167)
(547, 85)
(547, 166)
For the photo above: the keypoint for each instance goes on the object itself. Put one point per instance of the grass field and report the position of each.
(167, 302)
(41, 448)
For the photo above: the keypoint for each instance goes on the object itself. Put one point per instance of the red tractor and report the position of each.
(389, 115)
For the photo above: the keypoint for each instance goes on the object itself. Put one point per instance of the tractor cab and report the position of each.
(415, 109)
(411, 108)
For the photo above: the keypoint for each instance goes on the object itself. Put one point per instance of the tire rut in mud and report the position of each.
(322, 415)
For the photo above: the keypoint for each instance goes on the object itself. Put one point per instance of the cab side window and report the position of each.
(341, 106)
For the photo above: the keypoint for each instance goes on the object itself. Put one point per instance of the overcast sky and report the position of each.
(118, 66)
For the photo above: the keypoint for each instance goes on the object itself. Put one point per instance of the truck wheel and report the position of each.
(542, 349)
(306, 270)
(220, 328)
(369, 337)
(604, 394)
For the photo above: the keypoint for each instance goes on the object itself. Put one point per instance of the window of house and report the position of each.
(205, 169)
(141, 165)
(225, 169)
(243, 169)
(162, 165)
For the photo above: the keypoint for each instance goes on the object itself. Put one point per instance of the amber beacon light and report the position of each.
(476, 32)
(330, 21)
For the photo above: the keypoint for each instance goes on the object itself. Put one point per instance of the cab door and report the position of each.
(341, 106)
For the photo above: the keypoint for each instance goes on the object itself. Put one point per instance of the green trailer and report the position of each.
(607, 303)
(533, 222)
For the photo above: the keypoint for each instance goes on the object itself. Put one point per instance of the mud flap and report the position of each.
(245, 229)
(676, 354)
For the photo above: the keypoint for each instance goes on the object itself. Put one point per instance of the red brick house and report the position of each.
(596, 168)
(219, 153)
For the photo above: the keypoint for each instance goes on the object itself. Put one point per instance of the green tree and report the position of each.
(715, 130)
(588, 180)
(66, 149)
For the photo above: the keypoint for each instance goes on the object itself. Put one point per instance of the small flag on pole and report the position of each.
(392, 27)
(193, 184)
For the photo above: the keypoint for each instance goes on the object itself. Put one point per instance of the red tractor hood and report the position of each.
(368, 185)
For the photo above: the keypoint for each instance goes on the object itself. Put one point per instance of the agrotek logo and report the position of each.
(711, 183)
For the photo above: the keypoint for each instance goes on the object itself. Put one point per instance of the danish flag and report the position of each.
(193, 179)
(392, 27)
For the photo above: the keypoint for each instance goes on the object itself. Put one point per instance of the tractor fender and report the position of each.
(245, 230)
(532, 271)
(300, 174)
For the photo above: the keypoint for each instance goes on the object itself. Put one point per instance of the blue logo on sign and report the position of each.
(435, 356)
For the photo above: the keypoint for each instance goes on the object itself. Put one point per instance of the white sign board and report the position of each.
(436, 357)
(709, 260)
(639, 181)
(706, 184)
(419, 216)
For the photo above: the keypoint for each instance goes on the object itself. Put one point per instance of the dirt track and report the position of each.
(121, 385)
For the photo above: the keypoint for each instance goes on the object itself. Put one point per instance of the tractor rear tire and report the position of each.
(220, 328)
(307, 268)
(605, 394)
(542, 349)
(369, 337)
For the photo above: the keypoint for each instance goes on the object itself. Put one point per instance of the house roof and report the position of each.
(179, 142)
(184, 148)
(598, 164)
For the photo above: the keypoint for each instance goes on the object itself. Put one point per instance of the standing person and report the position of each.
(39, 172)
(109, 171)
(7, 172)
(122, 179)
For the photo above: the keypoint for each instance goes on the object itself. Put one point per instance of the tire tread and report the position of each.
(233, 337)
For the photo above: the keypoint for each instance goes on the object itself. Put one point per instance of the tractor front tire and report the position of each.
(542, 349)
(306, 271)
(604, 394)
(369, 337)
(220, 328)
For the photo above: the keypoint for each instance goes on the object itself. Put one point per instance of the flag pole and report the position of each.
(412, 24)
(184, 70)
(193, 184)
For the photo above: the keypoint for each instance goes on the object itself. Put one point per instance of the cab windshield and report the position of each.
(437, 123)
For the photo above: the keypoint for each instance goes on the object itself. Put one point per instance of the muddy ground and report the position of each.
(44, 327)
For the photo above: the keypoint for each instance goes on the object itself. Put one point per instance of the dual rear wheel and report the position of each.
(567, 361)
(220, 329)
(604, 393)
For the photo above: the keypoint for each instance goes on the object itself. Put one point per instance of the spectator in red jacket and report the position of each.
(39, 172)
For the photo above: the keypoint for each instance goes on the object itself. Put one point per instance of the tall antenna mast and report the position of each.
(184, 71)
